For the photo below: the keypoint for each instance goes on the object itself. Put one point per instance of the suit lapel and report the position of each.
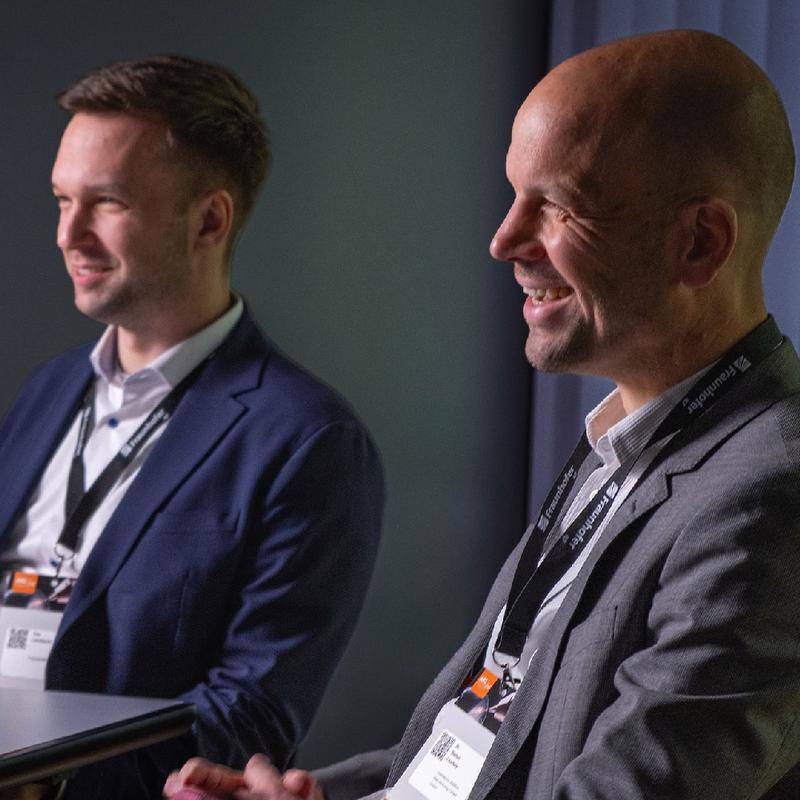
(204, 416)
(774, 379)
(34, 445)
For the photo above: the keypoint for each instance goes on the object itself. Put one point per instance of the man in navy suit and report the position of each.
(214, 509)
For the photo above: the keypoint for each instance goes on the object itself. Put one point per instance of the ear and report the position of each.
(215, 219)
(710, 227)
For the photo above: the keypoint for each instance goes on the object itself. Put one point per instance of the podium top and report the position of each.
(44, 733)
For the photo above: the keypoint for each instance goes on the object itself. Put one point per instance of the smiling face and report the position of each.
(123, 225)
(589, 236)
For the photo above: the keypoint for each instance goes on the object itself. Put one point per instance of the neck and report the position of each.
(136, 352)
(696, 351)
(137, 347)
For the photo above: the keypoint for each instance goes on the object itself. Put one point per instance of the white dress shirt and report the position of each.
(121, 403)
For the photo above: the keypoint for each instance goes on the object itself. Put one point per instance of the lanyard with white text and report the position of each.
(532, 580)
(80, 505)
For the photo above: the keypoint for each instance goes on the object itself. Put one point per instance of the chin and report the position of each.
(573, 353)
(548, 360)
(108, 310)
(91, 310)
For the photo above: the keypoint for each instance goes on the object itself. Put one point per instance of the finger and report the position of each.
(172, 784)
(202, 774)
(262, 778)
(175, 790)
(194, 771)
(195, 794)
(301, 783)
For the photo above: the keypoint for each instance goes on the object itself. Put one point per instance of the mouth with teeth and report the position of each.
(541, 296)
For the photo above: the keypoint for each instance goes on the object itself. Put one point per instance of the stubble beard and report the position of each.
(133, 302)
(565, 353)
(113, 307)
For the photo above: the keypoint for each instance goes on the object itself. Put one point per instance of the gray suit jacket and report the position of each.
(672, 669)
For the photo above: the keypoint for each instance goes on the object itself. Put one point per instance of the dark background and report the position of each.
(366, 260)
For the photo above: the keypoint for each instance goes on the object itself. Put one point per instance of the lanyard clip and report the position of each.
(507, 685)
(63, 556)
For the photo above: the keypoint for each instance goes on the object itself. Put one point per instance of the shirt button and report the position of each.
(113, 422)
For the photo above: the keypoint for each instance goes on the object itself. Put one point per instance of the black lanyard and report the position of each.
(80, 505)
(532, 580)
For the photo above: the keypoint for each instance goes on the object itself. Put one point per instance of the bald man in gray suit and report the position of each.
(645, 633)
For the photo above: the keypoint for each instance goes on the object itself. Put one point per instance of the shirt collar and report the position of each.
(173, 365)
(626, 435)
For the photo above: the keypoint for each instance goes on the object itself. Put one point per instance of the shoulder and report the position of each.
(765, 447)
(48, 381)
(752, 431)
(737, 513)
(289, 385)
(277, 387)
(724, 496)
(61, 366)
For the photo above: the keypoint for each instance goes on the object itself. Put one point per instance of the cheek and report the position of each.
(564, 251)
(593, 245)
(128, 243)
(583, 260)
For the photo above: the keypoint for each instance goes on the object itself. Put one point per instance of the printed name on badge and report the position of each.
(25, 652)
(449, 762)
(448, 771)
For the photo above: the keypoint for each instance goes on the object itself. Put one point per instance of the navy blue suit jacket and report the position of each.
(233, 570)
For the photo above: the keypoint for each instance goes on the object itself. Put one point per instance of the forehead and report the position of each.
(113, 148)
(566, 141)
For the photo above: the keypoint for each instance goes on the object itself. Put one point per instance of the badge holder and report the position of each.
(30, 614)
(448, 764)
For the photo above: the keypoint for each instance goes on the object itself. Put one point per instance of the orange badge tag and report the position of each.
(484, 683)
(24, 582)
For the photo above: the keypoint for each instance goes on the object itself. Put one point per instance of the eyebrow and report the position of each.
(559, 194)
(563, 195)
(98, 188)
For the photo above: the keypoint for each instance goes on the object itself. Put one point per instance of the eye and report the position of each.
(555, 210)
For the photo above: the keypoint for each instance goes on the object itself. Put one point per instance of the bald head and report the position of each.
(649, 176)
(692, 112)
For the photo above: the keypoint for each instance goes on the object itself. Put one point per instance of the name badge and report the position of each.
(30, 614)
(448, 764)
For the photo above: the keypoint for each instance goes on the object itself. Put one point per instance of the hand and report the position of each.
(201, 780)
(267, 783)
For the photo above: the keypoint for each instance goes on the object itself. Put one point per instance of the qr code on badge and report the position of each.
(443, 745)
(17, 638)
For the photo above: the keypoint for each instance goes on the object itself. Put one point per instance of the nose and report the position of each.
(518, 237)
(74, 228)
